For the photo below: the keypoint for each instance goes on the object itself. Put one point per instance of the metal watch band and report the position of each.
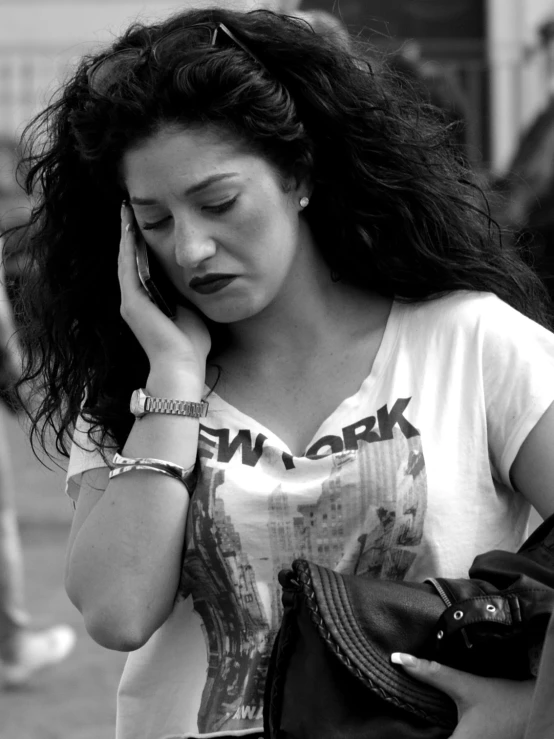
(175, 407)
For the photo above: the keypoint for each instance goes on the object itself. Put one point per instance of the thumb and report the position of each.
(453, 682)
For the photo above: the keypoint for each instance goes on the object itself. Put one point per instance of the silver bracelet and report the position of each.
(130, 467)
(168, 468)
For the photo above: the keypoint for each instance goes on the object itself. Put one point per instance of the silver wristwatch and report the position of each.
(141, 404)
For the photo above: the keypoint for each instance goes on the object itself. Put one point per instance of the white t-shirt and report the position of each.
(406, 479)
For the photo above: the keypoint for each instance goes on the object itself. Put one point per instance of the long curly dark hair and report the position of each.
(392, 208)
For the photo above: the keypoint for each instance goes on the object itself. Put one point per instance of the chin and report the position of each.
(232, 313)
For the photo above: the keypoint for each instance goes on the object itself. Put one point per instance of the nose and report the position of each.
(193, 243)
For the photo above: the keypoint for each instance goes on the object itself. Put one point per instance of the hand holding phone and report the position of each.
(184, 340)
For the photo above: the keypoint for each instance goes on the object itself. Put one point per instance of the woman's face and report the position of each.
(217, 217)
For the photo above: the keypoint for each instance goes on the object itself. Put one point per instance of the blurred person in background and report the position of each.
(323, 22)
(327, 24)
(525, 206)
(430, 79)
(319, 257)
(440, 88)
(23, 650)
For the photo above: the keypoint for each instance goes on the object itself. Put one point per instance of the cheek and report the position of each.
(268, 235)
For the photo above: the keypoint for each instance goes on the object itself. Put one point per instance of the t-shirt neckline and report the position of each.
(380, 363)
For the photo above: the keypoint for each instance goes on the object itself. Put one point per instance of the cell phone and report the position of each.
(158, 287)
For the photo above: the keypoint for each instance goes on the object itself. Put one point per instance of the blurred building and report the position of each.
(521, 60)
(39, 38)
(500, 52)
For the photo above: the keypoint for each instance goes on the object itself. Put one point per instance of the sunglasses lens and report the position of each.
(112, 69)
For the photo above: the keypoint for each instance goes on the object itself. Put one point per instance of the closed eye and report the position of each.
(155, 225)
(221, 207)
(217, 209)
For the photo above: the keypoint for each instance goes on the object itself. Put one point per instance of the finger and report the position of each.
(123, 226)
(124, 220)
(453, 682)
(128, 274)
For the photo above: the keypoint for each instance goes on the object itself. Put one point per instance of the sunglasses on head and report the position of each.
(109, 70)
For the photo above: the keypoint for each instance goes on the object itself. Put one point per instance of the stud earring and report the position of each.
(304, 202)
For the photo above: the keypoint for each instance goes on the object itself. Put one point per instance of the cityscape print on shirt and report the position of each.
(363, 514)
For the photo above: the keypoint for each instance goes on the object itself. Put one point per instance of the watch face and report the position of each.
(137, 403)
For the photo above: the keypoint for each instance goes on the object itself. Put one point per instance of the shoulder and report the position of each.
(470, 312)
(455, 305)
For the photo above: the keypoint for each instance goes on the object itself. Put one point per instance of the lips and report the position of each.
(211, 283)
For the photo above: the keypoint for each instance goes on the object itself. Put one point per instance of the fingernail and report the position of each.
(399, 658)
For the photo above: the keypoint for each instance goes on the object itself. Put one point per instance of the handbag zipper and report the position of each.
(440, 590)
(448, 603)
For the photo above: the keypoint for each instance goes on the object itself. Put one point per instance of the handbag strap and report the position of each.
(513, 609)
(498, 609)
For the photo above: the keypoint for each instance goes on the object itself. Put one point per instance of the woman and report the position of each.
(377, 377)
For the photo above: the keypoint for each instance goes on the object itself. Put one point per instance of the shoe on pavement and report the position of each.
(38, 649)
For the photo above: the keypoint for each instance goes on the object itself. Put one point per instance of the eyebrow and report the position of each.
(193, 190)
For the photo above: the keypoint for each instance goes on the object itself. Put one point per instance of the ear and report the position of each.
(302, 176)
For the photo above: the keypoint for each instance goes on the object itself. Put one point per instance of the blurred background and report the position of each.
(489, 63)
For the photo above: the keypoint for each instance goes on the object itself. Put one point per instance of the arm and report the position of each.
(491, 707)
(124, 555)
(125, 547)
(532, 471)
(495, 708)
(541, 720)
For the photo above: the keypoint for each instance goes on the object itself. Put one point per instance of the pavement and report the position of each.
(76, 699)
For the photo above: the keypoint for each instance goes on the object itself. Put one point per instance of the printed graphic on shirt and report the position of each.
(357, 504)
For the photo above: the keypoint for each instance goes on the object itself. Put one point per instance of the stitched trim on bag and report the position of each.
(302, 570)
(366, 660)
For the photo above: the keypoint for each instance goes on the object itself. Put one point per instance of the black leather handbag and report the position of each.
(330, 674)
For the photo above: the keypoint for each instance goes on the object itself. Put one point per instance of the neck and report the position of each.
(309, 313)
